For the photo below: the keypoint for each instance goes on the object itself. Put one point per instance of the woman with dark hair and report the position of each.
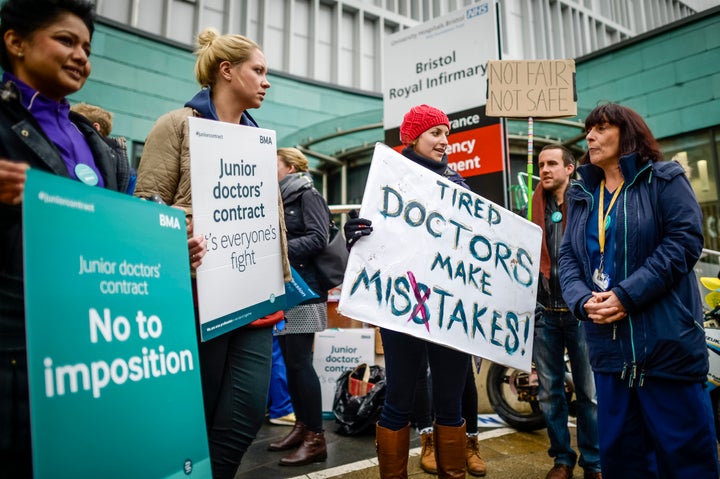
(633, 236)
(45, 57)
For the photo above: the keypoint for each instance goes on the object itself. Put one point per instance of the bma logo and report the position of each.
(266, 140)
(167, 221)
(478, 10)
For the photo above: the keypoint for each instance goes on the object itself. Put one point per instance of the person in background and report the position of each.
(633, 236)
(280, 410)
(45, 57)
(422, 419)
(424, 133)
(307, 219)
(234, 367)
(557, 330)
(102, 121)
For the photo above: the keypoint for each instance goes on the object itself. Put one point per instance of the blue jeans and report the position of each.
(404, 360)
(554, 333)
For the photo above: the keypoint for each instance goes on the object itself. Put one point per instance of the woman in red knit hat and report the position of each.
(424, 132)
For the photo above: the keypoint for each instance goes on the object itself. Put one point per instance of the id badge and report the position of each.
(601, 279)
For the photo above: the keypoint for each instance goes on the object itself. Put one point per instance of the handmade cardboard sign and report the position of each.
(443, 264)
(531, 88)
(235, 205)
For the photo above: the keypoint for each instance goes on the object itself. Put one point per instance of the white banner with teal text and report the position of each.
(443, 264)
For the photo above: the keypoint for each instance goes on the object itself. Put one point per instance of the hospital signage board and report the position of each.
(443, 63)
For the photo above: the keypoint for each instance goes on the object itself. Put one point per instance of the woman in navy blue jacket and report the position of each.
(633, 236)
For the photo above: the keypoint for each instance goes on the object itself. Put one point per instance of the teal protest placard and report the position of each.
(112, 352)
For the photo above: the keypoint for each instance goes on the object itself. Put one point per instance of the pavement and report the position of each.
(509, 454)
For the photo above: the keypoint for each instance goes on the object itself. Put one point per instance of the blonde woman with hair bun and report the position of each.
(234, 367)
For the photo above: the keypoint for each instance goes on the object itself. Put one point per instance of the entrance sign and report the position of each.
(443, 63)
(112, 351)
(233, 171)
(443, 264)
(531, 88)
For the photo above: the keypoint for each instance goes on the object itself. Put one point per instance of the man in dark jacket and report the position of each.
(556, 329)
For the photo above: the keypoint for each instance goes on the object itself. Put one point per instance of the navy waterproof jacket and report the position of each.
(657, 243)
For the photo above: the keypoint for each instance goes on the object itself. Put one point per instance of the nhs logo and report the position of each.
(167, 221)
(477, 10)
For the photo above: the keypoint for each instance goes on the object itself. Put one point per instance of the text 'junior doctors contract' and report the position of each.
(235, 205)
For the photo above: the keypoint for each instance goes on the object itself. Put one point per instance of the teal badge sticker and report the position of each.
(86, 174)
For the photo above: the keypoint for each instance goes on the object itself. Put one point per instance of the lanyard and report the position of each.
(603, 218)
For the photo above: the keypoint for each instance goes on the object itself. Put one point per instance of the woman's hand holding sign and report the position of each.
(355, 228)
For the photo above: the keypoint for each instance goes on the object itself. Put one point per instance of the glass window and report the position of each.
(137, 149)
(697, 156)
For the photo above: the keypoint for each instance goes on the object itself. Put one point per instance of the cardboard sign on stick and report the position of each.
(443, 264)
(531, 88)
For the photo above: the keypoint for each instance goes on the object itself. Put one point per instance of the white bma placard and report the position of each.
(443, 264)
(337, 350)
(233, 172)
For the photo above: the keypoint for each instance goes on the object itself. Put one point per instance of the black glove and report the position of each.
(355, 228)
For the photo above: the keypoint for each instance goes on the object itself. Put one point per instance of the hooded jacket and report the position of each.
(165, 165)
(658, 241)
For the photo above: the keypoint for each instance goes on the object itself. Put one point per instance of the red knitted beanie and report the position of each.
(419, 119)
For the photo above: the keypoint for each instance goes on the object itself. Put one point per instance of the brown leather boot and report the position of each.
(474, 462)
(312, 449)
(392, 448)
(427, 454)
(560, 471)
(293, 438)
(450, 451)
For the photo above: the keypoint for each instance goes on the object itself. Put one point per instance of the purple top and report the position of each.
(54, 118)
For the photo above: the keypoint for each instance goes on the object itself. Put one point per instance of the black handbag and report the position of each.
(357, 413)
(332, 261)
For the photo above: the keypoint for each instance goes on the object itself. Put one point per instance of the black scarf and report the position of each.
(438, 167)
(294, 185)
